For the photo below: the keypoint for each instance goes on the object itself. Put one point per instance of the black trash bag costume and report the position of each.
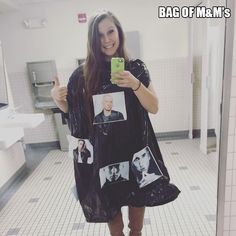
(113, 143)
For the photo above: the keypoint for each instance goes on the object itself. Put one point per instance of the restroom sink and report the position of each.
(9, 136)
(22, 120)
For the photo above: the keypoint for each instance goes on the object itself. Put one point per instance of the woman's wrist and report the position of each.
(138, 85)
(63, 105)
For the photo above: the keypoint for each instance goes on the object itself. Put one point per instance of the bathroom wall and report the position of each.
(164, 48)
(11, 160)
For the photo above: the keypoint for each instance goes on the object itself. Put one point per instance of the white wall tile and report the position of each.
(233, 208)
(229, 174)
(230, 143)
(226, 233)
(226, 223)
(232, 111)
(227, 208)
(233, 86)
(232, 223)
(230, 161)
(234, 67)
(234, 177)
(231, 129)
(234, 161)
(228, 191)
(46, 131)
(234, 143)
(170, 80)
(233, 193)
(232, 233)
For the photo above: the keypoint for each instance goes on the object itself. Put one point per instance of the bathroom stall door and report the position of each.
(191, 76)
(198, 54)
(216, 50)
(208, 50)
(205, 80)
(199, 29)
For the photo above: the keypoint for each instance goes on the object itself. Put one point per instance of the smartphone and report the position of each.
(117, 65)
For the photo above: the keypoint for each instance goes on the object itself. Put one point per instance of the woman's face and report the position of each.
(109, 37)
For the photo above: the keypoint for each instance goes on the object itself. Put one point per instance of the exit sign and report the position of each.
(82, 17)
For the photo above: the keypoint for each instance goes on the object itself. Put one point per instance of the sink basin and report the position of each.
(22, 120)
(9, 136)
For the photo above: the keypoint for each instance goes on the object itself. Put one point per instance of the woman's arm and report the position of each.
(146, 96)
(62, 105)
(59, 94)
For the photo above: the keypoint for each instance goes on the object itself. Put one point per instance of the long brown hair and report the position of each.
(95, 60)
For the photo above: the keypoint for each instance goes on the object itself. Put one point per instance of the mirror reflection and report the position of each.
(184, 57)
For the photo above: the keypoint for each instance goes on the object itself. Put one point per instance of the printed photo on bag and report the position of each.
(109, 107)
(114, 173)
(81, 150)
(145, 167)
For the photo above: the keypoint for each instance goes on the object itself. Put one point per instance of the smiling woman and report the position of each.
(113, 133)
(109, 38)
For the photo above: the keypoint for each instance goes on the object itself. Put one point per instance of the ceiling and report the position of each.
(23, 2)
(9, 5)
(13, 5)
(6, 6)
(170, 2)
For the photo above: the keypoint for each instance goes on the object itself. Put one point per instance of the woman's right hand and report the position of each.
(58, 92)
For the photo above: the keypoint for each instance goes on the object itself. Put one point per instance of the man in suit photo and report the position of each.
(107, 114)
(82, 152)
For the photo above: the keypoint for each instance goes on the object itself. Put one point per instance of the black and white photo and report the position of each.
(114, 173)
(145, 168)
(80, 150)
(109, 107)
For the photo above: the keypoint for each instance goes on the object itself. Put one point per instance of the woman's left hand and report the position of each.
(126, 80)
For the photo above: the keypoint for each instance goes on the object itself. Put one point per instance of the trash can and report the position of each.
(62, 128)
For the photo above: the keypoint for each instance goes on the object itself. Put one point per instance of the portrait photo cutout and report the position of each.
(145, 167)
(114, 173)
(109, 107)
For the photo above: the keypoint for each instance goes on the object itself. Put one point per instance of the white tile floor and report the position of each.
(45, 205)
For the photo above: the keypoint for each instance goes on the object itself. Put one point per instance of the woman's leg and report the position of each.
(136, 216)
(116, 226)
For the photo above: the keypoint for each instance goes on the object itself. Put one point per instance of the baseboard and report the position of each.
(172, 135)
(210, 133)
(54, 144)
(17, 175)
(182, 134)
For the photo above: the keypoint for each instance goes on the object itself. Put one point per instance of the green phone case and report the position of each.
(117, 65)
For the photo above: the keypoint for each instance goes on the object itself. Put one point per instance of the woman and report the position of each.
(112, 142)
(81, 152)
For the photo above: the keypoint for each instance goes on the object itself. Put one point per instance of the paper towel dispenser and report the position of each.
(41, 76)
